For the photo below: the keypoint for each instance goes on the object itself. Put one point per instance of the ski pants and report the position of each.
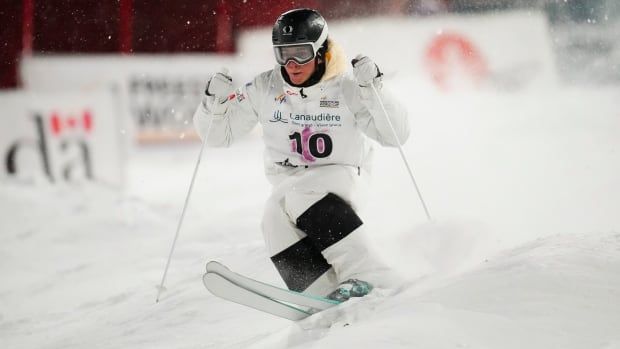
(312, 231)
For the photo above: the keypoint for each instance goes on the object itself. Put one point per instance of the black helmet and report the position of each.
(298, 35)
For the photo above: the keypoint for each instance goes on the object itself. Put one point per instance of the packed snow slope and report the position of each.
(523, 250)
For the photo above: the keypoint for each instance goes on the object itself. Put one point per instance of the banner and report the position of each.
(61, 137)
(159, 93)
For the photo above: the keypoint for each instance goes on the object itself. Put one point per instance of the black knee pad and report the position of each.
(328, 221)
(300, 265)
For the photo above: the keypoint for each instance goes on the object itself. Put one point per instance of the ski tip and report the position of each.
(211, 265)
(205, 279)
(214, 265)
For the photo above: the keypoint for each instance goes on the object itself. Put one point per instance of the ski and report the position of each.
(273, 292)
(223, 288)
(281, 302)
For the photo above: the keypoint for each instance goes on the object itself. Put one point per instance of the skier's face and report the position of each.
(299, 73)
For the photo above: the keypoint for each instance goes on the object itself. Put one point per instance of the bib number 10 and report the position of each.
(312, 145)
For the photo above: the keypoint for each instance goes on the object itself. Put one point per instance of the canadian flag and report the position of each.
(60, 124)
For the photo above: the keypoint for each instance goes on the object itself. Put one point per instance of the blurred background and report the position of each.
(159, 27)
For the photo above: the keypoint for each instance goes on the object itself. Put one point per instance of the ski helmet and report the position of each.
(298, 35)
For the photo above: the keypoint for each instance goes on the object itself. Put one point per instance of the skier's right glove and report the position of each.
(218, 92)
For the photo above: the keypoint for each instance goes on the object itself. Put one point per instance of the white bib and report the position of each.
(311, 126)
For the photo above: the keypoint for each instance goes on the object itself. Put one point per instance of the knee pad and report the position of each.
(328, 221)
(300, 265)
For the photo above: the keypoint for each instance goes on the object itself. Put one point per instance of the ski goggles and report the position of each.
(299, 53)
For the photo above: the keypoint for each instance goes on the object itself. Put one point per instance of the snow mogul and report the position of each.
(319, 122)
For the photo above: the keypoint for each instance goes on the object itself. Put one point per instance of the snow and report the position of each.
(523, 250)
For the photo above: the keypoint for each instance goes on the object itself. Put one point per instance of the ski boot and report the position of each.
(350, 288)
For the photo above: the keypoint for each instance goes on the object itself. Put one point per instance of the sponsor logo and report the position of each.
(240, 95)
(277, 117)
(62, 144)
(329, 104)
(321, 119)
(291, 93)
(160, 103)
(315, 117)
(286, 163)
(450, 50)
(281, 98)
(288, 30)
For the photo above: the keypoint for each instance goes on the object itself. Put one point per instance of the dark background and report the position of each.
(159, 26)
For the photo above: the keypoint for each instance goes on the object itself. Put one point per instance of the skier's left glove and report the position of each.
(366, 72)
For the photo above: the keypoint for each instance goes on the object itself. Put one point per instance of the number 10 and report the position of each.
(318, 145)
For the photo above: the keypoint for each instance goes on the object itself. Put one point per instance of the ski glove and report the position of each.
(366, 71)
(219, 87)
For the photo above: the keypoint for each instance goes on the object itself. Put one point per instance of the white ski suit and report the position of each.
(318, 151)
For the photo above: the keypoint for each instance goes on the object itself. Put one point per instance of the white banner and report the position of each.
(61, 137)
(158, 93)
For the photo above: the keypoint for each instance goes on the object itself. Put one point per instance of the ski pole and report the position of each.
(189, 193)
(400, 149)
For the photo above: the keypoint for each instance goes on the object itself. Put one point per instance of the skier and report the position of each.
(318, 121)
